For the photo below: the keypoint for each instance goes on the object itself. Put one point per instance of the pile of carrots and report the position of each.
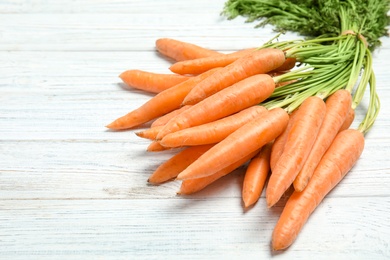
(210, 109)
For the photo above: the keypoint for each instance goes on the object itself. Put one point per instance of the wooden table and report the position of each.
(71, 189)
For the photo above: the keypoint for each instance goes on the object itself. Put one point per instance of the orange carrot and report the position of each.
(162, 120)
(197, 66)
(164, 102)
(194, 185)
(243, 94)
(299, 142)
(255, 176)
(150, 81)
(156, 147)
(212, 132)
(179, 50)
(337, 108)
(245, 140)
(348, 120)
(257, 62)
(280, 141)
(288, 64)
(343, 153)
(177, 163)
(150, 133)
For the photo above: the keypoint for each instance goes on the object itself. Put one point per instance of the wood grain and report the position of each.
(71, 189)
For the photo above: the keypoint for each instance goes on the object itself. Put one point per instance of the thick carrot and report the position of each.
(194, 185)
(257, 62)
(212, 132)
(343, 153)
(256, 175)
(197, 66)
(348, 120)
(337, 108)
(162, 120)
(162, 103)
(288, 64)
(179, 50)
(177, 163)
(299, 142)
(150, 133)
(150, 81)
(280, 141)
(243, 94)
(245, 140)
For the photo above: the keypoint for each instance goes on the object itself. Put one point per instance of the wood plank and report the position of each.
(187, 229)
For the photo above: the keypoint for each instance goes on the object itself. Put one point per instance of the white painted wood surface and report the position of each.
(70, 189)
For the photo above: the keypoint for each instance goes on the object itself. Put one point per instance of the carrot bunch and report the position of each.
(254, 109)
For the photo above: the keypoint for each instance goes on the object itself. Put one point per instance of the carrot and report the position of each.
(177, 163)
(150, 81)
(257, 62)
(162, 120)
(197, 66)
(280, 142)
(343, 153)
(212, 132)
(194, 185)
(150, 133)
(245, 140)
(156, 147)
(299, 142)
(255, 176)
(348, 120)
(337, 108)
(243, 94)
(162, 103)
(179, 50)
(288, 64)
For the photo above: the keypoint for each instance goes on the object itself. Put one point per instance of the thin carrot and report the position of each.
(150, 133)
(257, 62)
(337, 108)
(299, 142)
(348, 120)
(256, 175)
(194, 185)
(156, 147)
(177, 163)
(212, 132)
(150, 81)
(162, 103)
(179, 50)
(280, 141)
(197, 66)
(243, 94)
(162, 120)
(245, 140)
(343, 153)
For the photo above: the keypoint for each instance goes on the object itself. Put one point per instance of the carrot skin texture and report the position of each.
(245, 140)
(348, 120)
(280, 142)
(150, 81)
(248, 92)
(256, 175)
(194, 185)
(257, 62)
(177, 163)
(299, 142)
(212, 132)
(155, 146)
(200, 65)
(179, 50)
(162, 120)
(162, 103)
(335, 164)
(337, 108)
